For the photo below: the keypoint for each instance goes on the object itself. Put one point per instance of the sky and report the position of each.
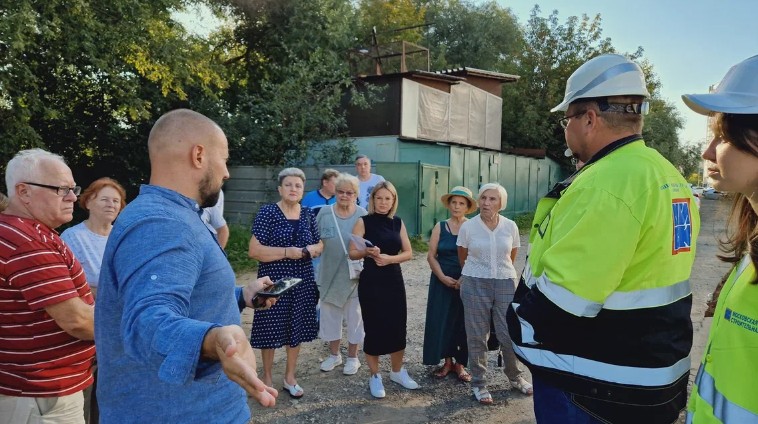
(690, 43)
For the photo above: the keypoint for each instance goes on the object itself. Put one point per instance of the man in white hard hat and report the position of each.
(602, 318)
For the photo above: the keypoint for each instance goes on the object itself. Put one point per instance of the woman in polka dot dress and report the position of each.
(285, 238)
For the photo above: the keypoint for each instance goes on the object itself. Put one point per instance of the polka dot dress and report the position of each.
(292, 320)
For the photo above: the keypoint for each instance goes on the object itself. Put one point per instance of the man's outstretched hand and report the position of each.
(229, 346)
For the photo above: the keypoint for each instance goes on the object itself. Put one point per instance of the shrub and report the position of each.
(236, 249)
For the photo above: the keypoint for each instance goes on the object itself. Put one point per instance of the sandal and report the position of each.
(523, 386)
(463, 375)
(293, 390)
(482, 395)
(444, 370)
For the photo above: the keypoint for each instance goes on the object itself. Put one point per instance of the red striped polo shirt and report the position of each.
(37, 270)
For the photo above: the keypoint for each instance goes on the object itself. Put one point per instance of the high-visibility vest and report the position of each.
(604, 311)
(726, 386)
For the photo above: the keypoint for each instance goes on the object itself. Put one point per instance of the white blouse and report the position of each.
(489, 252)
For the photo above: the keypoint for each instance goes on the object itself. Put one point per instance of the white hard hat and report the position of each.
(604, 76)
(736, 93)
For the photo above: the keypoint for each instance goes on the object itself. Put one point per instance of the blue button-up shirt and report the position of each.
(164, 283)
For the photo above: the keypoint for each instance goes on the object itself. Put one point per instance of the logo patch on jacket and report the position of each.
(740, 320)
(682, 225)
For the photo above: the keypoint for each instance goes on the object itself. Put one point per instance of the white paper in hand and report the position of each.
(359, 242)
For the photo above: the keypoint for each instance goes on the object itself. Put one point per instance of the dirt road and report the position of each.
(335, 398)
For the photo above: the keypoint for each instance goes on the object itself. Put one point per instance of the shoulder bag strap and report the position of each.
(339, 233)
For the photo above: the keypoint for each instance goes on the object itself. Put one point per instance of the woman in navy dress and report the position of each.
(381, 289)
(445, 330)
(285, 238)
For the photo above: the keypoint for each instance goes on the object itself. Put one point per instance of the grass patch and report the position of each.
(524, 221)
(236, 249)
(418, 244)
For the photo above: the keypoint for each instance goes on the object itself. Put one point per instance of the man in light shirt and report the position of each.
(366, 179)
(213, 217)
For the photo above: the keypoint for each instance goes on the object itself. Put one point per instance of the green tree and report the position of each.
(290, 72)
(478, 35)
(85, 79)
(551, 52)
(692, 164)
(660, 130)
(389, 16)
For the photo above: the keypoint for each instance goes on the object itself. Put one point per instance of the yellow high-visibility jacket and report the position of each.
(726, 387)
(604, 308)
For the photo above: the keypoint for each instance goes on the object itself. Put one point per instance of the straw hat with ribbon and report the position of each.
(463, 192)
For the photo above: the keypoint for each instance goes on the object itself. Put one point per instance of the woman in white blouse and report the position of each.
(487, 246)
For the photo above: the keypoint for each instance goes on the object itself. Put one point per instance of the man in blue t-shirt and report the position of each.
(324, 195)
(317, 199)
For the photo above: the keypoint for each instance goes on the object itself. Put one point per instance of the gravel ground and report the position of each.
(331, 397)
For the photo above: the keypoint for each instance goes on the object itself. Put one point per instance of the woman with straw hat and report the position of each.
(445, 332)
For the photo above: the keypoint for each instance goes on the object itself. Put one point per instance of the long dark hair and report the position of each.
(742, 229)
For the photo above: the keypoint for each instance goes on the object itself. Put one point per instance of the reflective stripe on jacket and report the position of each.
(726, 387)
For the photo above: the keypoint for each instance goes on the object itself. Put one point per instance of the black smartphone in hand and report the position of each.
(280, 287)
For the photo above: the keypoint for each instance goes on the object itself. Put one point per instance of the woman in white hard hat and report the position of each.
(726, 385)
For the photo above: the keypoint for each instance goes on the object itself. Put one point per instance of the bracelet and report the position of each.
(285, 253)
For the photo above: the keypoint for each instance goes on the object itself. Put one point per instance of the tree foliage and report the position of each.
(479, 35)
(291, 74)
(85, 78)
(388, 17)
(551, 51)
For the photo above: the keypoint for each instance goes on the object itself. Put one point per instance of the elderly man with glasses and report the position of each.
(46, 307)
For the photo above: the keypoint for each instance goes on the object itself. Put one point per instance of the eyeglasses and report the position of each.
(60, 191)
(565, 120)
(345, 193)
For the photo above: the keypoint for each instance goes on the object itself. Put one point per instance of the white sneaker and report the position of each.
(332, 361)
(351, 366)
(376, 386)
(402, 378)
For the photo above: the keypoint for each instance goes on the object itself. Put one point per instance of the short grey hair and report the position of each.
(25, 166)
(501, 191)
(291, 172)
(345, 178)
